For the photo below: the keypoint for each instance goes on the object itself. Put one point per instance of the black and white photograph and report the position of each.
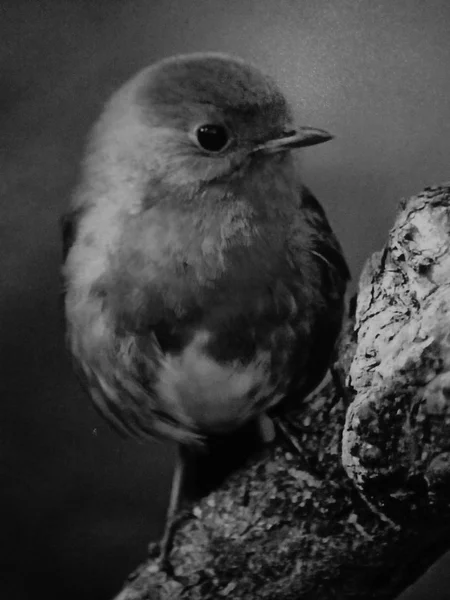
(225, 300)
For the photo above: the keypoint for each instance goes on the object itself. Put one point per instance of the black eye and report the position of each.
(212, 138)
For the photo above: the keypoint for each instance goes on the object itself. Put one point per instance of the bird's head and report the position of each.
(200, 118)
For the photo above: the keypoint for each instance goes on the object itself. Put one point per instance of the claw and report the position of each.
(289, 437)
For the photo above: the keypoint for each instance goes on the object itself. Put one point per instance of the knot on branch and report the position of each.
(396, 441)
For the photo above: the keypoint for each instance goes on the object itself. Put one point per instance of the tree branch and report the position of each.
(364, 511)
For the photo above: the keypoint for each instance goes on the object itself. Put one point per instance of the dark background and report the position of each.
(79, 504)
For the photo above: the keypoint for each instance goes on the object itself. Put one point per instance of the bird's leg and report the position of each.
(267, 431)
(284, 424)
(166, 543)
(266, 428)
(285, 432)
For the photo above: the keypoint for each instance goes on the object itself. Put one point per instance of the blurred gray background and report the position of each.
(79, 504)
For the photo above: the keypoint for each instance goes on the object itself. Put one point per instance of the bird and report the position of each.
(203, 284)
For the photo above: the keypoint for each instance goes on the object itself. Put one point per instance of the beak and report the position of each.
(304, 136)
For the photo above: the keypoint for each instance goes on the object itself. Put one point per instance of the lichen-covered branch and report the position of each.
(364, 510)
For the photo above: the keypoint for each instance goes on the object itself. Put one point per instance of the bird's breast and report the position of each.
(217, 396)
(237, 361)
(227, 311)
(185, 260)
(208, 316)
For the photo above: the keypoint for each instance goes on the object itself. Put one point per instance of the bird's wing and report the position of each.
(324, 242)
(318, 258)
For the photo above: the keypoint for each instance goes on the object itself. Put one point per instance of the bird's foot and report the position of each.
(284, 426)
(160, 551)
(160, 555)
(266, 428)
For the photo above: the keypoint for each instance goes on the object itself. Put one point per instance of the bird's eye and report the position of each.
(212, 138)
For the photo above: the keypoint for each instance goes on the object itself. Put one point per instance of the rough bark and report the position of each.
(364, 509)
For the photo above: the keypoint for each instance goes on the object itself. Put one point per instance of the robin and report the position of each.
(203, 283)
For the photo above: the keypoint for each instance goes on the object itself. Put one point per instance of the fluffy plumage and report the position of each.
(201, 287)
